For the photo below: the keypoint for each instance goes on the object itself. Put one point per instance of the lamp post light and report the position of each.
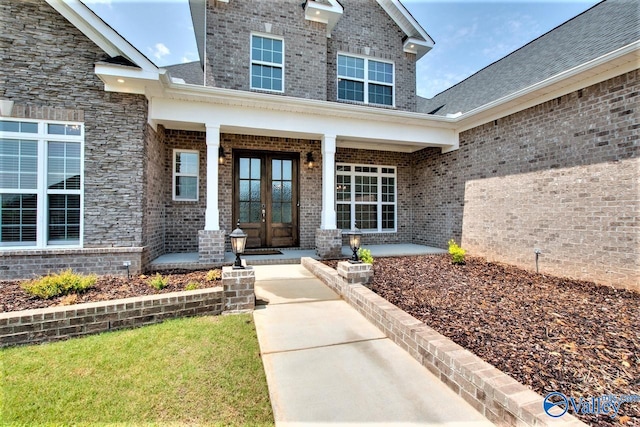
(355, 239)
(238, 243)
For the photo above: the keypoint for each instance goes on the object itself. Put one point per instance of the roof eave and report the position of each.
(607, 66)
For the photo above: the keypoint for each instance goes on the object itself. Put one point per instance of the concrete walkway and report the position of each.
(326, 364)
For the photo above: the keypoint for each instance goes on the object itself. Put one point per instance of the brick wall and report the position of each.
(154, 200)
(228, 45)
(58, 323)
(47, 69)
(561, 177)
(366, 27)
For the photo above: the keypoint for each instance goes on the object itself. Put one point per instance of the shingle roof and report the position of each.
(605, 27)
(190, 72)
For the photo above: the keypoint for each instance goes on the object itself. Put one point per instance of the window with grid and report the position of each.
(365, 80)
(267, 63)
(185, 175)
(366, 197)
(40, 183)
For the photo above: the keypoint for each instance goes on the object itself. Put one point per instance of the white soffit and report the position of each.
(328, 14)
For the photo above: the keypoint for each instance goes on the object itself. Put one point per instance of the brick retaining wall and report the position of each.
(496, 395)
(58, 323)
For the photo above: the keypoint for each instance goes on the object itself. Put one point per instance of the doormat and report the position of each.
(261, 252)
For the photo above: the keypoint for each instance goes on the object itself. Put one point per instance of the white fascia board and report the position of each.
(311, 123)
(417, 47)
(407, 24)
(105, 37)
(613, 64)
(266, 101)
(328, 14)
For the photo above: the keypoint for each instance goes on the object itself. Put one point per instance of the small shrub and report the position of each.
(457, 253)
(365, 256)
(63, 283)
(158, 282)
(192, 286)
(213, 275)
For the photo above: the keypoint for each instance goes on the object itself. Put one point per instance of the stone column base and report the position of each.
(238, 285)
(211, 246)
(329, 243)
(355, 273)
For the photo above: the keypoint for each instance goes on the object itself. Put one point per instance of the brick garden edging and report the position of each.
(57, 323)
(496, 395)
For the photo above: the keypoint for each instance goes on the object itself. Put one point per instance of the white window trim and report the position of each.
(366, 80)
(42, 191)
(379, 203)
(270, 64)
(196, 175)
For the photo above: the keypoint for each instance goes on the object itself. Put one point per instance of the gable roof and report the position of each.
(604, 28)
(190, 72)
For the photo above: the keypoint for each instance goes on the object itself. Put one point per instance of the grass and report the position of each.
(194, 371)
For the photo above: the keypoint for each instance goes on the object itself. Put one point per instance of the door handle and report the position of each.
(263, 215)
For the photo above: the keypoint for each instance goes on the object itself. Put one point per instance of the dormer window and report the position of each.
(267, 63)
(365, 80)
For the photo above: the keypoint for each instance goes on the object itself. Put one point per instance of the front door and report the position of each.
(265, 197)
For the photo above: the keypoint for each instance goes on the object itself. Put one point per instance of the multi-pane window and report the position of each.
(365, 80)
(366, 197)
(185, 175)
(267, 63)
(40, 183)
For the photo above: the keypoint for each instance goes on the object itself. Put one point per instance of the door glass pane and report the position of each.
(256, 212)
(276, 169)
(286, 213)
(245, 209)
(276, 212)
(276, 191)
(255, 168)
(244, 169)
(244, 190)
(255, 190)
(286, 191)
(286, 169)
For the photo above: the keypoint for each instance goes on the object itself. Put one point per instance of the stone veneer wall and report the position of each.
(366, 29)
(403, 164)
(561, 177)
(47, 69)
(229, 38)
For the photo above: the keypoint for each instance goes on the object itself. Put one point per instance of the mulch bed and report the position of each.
(13, 298)
(550, 333)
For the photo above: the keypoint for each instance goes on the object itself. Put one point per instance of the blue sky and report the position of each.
(469, 34)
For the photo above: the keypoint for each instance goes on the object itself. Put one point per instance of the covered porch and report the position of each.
(318, 168)
(190, 260)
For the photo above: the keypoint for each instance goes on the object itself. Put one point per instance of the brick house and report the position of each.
(301, 121)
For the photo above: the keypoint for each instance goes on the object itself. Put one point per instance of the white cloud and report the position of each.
(159, 51)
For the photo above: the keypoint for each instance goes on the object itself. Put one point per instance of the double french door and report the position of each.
(265, 197)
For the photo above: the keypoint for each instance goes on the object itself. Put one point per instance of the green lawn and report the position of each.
(195, 371)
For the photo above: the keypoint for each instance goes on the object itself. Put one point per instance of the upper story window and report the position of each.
(365, 80)
(41, 183)
(185, 175)
(267, 63)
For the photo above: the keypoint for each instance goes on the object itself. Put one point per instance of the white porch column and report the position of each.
(328, 216)
(212, 215)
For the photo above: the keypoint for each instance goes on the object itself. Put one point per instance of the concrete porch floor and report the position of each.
(289, 256)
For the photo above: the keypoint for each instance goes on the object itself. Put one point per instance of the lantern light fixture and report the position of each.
(238, 242)
(355, 241)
